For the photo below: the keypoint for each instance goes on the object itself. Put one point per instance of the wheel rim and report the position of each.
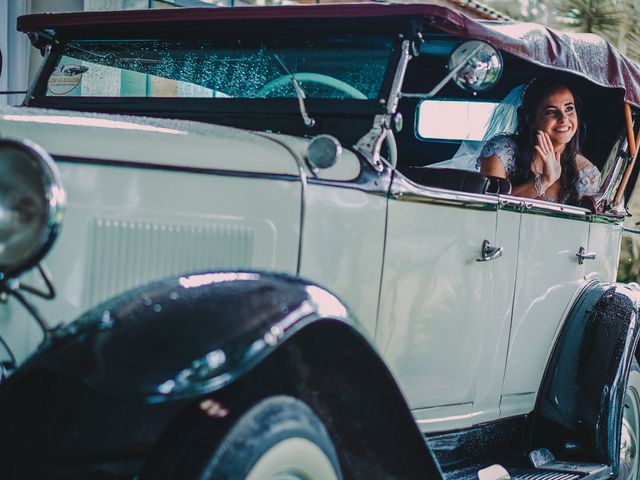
(293, 459)
(629, 467)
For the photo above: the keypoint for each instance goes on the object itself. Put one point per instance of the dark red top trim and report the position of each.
(39, 22)
(586, 55)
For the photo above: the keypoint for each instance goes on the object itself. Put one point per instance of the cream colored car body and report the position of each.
(468, 341)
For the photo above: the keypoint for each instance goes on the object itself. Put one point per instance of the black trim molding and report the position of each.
(172, 168)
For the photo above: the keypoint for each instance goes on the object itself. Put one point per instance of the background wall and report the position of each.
(15, 50)
(21, 61)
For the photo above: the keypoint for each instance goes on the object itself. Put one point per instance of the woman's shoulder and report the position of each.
(583, 163)
(504, 147)
(500, 140)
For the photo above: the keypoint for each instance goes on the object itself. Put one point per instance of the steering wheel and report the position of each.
(326, 80)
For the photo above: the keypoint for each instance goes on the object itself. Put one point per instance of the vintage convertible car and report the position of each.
(271, 276)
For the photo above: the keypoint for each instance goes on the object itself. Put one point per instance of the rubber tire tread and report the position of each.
(201, 453)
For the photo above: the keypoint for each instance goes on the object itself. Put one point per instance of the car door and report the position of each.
(438, 328)
(548, 278)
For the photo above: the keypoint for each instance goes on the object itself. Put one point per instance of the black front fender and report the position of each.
(186, 336)
(579, 405)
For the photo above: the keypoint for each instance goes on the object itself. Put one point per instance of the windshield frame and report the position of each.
(39, 98)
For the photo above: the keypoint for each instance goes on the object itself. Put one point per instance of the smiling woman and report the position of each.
(543, 159)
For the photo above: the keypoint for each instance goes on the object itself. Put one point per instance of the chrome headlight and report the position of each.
(31, 204)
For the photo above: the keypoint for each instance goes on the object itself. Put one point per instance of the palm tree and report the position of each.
(631, 41)
(608, 18)
(523, 10)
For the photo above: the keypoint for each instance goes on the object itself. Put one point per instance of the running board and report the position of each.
(499, 472)
(544, 466)
(601, 472)
(496, 451)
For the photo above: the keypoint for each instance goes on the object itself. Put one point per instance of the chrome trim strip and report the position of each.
(606, 219)
(539, 207)
(560, 210)
(557, 213)
(403, 189)
(171, 168)
(466, 416)
(510, 204)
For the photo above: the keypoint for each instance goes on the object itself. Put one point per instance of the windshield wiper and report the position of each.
(308, 121)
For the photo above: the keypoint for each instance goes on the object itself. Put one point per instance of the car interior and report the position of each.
(435, 129)
(427, 142)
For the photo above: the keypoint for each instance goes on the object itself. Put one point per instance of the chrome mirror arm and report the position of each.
(434, 91)
(401, 70)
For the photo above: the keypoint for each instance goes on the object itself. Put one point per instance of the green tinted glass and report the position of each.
(336, 67)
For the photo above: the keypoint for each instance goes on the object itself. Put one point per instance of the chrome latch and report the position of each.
(583, 255)
(489, 252)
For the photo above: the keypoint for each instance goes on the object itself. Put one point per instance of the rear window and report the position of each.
(454, 120)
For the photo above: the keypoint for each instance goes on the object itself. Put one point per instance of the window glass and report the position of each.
(453, 119)
(335, 67)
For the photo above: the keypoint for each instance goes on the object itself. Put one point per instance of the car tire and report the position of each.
(278, 438)
(630, 432)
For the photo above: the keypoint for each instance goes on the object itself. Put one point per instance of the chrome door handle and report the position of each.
(583, 255)
(489, 252)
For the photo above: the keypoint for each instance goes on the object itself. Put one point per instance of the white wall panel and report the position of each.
(15, 50)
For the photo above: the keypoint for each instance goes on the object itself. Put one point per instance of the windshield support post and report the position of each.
(39, 76)
(370, 144)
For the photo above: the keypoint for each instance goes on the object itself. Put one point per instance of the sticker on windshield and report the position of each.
(65, 78)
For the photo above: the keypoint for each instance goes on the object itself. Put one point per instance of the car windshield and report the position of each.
(337, 67)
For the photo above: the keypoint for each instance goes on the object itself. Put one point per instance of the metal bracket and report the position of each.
(371, 143)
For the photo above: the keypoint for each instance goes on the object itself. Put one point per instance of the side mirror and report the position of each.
(476, 66)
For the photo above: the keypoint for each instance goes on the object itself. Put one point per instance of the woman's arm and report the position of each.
(493, 166)
(588, 177)
(528, 189)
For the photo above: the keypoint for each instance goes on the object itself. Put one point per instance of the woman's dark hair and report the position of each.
(526, 139)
